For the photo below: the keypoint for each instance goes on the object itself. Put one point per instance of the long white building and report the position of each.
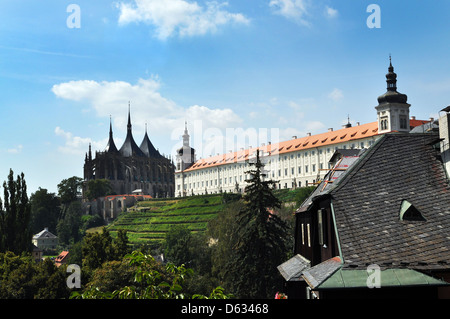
(294, 163)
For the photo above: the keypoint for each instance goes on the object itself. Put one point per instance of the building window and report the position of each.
(322, 226)
(403, 122)
(303, 233)
(384, 123)
(409, 212)
(308, 236)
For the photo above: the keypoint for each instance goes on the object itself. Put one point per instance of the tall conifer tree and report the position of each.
(261, 244)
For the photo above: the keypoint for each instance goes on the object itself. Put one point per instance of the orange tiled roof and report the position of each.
(59, 260)
(303, 143)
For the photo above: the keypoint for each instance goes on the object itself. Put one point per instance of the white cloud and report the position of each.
(15, 150)
(336, 95)
(294, 10)
(179, 17)
(78, 145)
(218, 118)
(163, 116)
(330, 12)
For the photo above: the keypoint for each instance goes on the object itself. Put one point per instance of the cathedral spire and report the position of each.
(129, 147)
(110, 127)
(111, 146)
(129, 117)
(147, 147)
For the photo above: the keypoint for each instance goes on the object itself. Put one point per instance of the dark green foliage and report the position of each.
(260, 244)
(151, 280)
(99, 248)
(45, 210)
(69, 189)
(90, 221)
(15, 216)
(23, 278)
(68, 227)
(303, 194)
(177, 245)
(98, 188)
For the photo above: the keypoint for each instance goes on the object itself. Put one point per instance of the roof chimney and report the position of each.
(330, 129)
(413, 117)
(294, 137)
(308, 134)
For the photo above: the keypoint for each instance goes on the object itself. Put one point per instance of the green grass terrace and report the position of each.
(149, 221)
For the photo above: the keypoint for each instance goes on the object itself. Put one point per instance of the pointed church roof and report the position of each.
(129, 147)
(111, 147)
(147, 146)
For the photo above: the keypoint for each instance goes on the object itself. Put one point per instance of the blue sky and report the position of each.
(294, 66)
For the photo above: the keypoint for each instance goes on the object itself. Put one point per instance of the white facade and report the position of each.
(283, 163)
(295, 163)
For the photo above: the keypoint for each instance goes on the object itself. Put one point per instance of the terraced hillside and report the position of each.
(149, 221)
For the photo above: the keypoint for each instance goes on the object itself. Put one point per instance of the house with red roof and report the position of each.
(62, 258)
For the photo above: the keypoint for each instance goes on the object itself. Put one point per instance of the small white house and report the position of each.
(45, 240)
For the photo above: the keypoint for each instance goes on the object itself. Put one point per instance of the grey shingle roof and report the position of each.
(44, 234)
(367, 204)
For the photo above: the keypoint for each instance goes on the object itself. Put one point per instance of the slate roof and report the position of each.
(148, 148)
(129, 147)
(367, 205)
(368, 199)
(292, 269)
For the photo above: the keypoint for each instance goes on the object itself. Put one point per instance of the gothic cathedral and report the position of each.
(132, 168)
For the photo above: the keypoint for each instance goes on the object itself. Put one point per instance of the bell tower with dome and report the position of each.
(392, 109)
(185, 158)
(185, 155)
